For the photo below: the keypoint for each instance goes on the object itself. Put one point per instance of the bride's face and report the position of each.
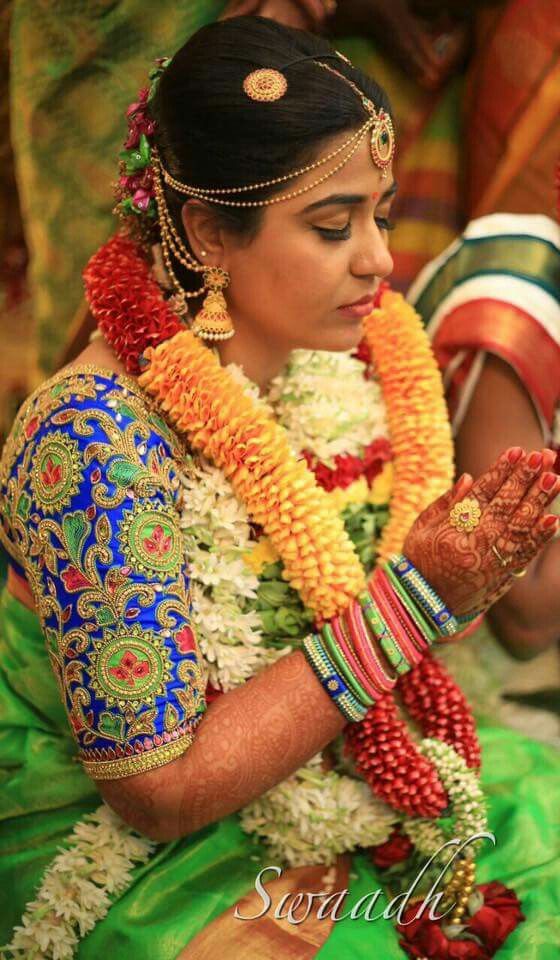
(308, 276)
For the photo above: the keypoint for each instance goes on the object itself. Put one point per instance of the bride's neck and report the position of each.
(261, 361)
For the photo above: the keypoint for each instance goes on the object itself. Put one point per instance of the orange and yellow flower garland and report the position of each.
(280, 492)
(201, 399)
(416, 412)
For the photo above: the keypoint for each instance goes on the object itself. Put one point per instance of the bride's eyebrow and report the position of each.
(336, 199)
(348, 199)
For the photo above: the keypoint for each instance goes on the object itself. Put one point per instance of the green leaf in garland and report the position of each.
(138, 158)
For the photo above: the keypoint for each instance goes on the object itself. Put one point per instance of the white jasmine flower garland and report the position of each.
(326, 405)
(468, 806)
(314, 815)
(75, 890)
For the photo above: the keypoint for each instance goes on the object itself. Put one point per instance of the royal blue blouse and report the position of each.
(90, 510)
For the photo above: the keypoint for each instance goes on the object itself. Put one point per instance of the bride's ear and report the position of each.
(203, 232)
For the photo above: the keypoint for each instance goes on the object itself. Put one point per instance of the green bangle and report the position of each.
(383, 633)
(336, 654)
(425, 627)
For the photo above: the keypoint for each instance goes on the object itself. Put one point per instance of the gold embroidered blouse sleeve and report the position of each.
(90, 498)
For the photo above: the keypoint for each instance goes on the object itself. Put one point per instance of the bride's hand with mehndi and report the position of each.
(472, 542)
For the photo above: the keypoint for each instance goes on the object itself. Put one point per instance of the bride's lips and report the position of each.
(360, 308)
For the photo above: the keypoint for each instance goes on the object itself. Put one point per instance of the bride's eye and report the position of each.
(384, 223)
(332, 233)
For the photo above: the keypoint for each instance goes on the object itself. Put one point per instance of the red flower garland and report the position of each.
(349, 468)
(388, 760)
(127, 302)
(395, 850)
(439, 706)
(489, 928)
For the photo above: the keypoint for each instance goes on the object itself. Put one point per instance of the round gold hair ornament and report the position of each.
(265, 85)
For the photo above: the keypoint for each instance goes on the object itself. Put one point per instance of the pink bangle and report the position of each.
(413, 634)
(338, 628)
(364, 648)
(396, 621)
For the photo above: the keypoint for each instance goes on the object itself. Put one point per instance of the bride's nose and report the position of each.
(373, 258)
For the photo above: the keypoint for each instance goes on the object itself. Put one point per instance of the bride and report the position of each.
(232, 533)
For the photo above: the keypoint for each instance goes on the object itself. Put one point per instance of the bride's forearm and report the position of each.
(249, 740)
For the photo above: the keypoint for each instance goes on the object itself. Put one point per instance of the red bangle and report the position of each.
(344, 640)
(414, 635)
(365, 650)
(396, 622)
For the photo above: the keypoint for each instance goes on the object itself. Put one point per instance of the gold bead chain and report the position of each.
(198, 195)
(222, 191)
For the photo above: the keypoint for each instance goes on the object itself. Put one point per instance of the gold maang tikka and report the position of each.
(267, 86)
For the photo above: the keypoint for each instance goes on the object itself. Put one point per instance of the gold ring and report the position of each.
(503, 561)
(518, 574)
(465, 515)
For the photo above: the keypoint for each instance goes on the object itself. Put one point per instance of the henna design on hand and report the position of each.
(463, 567)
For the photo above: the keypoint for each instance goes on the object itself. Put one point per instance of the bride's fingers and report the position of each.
(543, 531)
(540, 494)
(506, 500)
(504, 555)
(489, 483)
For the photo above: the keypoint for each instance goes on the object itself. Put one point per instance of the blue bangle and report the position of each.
(426, 597)
(331, 681)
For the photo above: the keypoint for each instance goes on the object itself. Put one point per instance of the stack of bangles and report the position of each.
(359, 655)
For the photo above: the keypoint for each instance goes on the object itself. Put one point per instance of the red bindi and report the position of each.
(375, 196)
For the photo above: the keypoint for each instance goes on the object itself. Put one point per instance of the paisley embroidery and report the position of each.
(150, 541)
(89, 497)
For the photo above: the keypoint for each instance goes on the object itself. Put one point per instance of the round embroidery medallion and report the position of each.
(151, 541)
(129, 667)
(56, 473)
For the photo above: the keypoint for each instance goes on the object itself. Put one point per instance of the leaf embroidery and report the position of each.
(75, 529)
(143, 724)
(124, 473)
(170, 718)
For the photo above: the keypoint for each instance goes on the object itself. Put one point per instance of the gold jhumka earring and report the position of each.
(265, 86)
(213, 321)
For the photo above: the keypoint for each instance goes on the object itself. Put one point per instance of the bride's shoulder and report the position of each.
(85, 411)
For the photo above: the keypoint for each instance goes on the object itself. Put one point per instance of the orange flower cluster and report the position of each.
(416, 413)
(280, 492)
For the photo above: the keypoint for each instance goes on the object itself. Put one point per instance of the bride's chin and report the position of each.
(346, 338)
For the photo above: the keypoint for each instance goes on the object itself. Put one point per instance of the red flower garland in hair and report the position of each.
(127, 302)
